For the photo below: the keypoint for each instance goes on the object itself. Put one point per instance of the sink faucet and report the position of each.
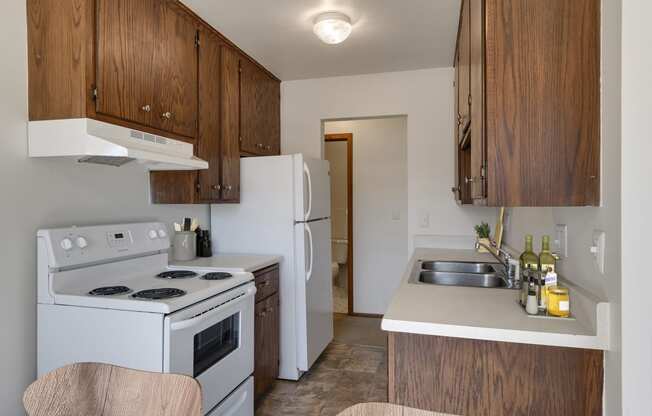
(504, 258)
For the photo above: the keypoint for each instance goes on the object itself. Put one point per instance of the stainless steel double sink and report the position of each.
(458, 273)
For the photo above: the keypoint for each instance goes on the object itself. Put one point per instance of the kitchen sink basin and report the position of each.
(459, 273)
(461, 279)
(458, 267)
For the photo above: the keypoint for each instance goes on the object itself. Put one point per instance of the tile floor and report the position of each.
(347, 373)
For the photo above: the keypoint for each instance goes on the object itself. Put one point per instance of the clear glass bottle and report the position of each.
(546, 260)
(528, 259)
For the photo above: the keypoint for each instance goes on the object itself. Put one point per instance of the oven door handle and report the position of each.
(188, 323)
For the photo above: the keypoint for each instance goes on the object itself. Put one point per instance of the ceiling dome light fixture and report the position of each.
(332, 27)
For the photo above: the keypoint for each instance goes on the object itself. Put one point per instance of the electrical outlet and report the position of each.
(560, 242)
(597, 249)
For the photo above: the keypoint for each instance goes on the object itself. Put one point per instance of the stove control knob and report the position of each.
(162, 233)
(152, 235)
(66, 244)
(82, 242)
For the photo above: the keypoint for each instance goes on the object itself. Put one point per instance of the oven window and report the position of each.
(215, 343)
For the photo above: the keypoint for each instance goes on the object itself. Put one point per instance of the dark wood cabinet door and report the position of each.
(543, 102)
(251, 88)
(127, 38)
(272, 117)
(210, 64)
(478, 138)
(175, 72)
(464, 51)
(266, 344)
(230, 125)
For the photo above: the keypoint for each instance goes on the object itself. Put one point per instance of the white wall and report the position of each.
(426, 98)
(579, 266)
(44, 193)
(636, 206)
(380, 237)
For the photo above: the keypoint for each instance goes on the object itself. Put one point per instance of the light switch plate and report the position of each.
(597, 248)
(424, 219)
(560, 243)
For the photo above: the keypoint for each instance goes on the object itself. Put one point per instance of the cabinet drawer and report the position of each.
(266, 282)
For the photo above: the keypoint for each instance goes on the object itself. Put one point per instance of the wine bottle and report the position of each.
(528, 259)
(546, 259)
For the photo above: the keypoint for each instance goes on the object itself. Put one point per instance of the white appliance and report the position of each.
(285, 209)
(106, 294)
(92, 141)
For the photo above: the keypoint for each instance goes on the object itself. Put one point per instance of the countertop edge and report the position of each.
(593, 342)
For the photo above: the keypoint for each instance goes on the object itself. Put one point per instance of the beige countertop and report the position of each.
(490, 314)
(230, 262)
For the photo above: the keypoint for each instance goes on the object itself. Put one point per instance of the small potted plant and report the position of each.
(482, 232)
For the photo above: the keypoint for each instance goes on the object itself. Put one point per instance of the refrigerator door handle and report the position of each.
(306, 172)
(312, 253)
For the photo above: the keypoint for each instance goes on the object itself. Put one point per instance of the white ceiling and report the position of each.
(388, 35)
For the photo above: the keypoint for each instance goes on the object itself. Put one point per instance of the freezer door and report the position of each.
(314, 291)
(313, 188)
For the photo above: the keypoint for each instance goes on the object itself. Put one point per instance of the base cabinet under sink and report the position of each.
(476, 377)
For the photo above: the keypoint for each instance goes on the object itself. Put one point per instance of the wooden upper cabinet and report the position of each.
(127, 39)
(272, 111)
(260, 111)
(543, 102)
(147, 64)
(464, 63)
(230, 111)
(476, 91)
(175, 72)
(534, 71)
(251, 84)
(210, 103)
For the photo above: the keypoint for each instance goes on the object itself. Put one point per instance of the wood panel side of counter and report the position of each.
(474, 377)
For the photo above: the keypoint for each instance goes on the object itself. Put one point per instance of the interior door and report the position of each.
(314, 197)
(314, 291)
(126, 43)
(175, 73)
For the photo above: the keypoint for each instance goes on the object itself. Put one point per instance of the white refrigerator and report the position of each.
(285, 210)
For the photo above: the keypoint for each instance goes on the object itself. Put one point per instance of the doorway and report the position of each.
(338, 150)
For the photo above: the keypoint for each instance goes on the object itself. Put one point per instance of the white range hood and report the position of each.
(92, 141)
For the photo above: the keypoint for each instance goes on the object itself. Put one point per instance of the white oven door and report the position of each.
(213, 341)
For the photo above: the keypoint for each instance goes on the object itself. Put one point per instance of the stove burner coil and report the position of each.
(217, 276)
(160, 293)
(176, 274)
(109, 291)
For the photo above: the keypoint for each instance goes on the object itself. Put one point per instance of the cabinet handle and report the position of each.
(455, 189)
(146, 108)
(228, 188)
(268, 147)
(216, 187)
(167, 115)
(468, 179)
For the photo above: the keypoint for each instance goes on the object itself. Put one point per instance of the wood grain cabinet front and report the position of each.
(155, 66)
(266, 330)
(489, 378)
(531, 71)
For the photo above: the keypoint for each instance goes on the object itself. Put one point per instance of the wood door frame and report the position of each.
(348, 138)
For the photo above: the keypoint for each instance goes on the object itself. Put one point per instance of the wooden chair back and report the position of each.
(87, 389)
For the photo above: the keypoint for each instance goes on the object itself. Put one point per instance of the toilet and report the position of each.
(340, 252)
